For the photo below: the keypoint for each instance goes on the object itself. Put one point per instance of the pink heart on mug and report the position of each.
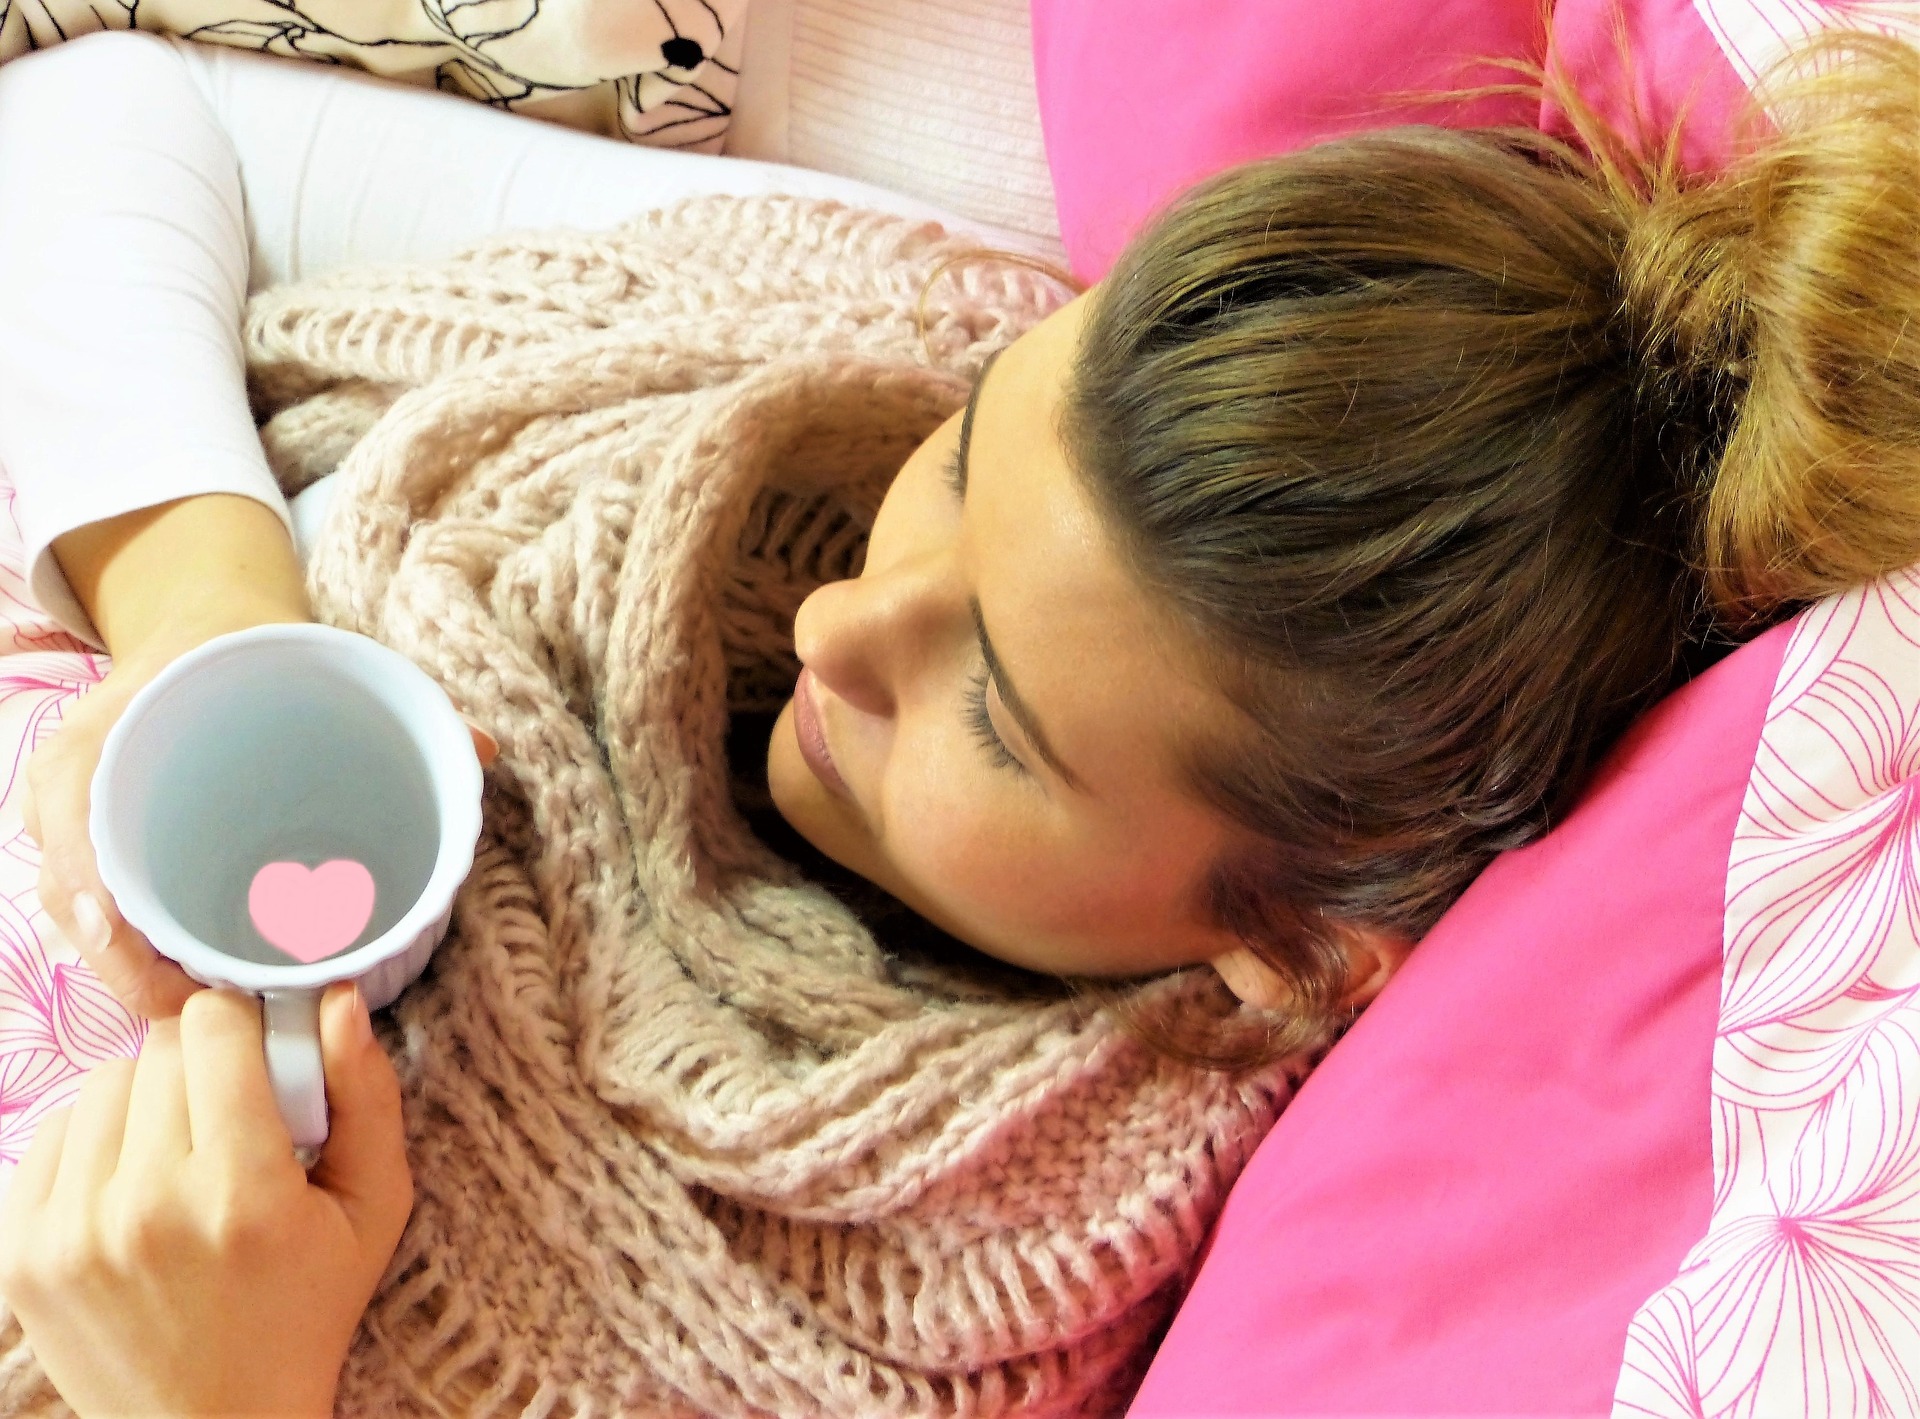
(311, 913)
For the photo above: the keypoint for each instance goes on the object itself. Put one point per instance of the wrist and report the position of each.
(192, 620)
(161, 579)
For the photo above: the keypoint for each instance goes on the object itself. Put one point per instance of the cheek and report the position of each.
(994, 852)
(964, 838)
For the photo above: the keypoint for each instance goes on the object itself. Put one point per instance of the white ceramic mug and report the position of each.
(288, 743)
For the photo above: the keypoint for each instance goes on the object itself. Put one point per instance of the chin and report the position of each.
(823, 819)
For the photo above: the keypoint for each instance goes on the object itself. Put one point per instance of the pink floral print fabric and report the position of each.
(1755, 34)
(1803, 1298)
(56, 1020)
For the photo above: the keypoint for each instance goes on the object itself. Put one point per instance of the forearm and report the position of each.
(122, 389)
(212, 562)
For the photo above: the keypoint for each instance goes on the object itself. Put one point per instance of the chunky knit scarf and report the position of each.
(687, 1138)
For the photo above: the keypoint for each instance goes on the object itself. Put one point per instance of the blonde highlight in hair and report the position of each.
(1779, 296)
(1456, 448)
(1813, 312)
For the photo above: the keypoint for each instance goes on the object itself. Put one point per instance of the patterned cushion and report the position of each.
(660, 73)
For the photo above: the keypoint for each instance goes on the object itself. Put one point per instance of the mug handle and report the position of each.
(294, 1067)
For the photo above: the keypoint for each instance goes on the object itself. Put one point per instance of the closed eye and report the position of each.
(956, 472)
(981, 723)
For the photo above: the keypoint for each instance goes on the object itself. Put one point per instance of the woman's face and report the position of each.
(991, 714)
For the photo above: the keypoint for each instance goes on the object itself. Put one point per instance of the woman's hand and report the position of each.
(163, 1250)
(157, 582)
(57, 794)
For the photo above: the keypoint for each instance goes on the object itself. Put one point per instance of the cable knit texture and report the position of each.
(688, 1140)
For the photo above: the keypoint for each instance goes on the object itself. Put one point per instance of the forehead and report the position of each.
(1118, 685)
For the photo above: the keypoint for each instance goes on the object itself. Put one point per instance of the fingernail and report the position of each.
(92, 923)
(484, 744)
(362, 1021)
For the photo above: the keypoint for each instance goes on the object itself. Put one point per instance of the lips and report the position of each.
(808, 729)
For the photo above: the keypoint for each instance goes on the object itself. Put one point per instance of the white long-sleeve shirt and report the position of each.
(147, 184)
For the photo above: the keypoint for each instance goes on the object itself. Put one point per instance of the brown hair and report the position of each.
(1449, 444)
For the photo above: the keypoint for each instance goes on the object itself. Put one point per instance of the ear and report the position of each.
(1372, 959)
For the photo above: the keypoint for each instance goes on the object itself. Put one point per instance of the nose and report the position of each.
(865, 637)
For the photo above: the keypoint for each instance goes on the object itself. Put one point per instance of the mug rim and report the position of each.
(453, 768)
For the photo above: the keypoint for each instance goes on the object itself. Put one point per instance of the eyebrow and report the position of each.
(966, 421)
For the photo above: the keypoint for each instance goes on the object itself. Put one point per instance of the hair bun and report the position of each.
(1773, 312)
(1684, 312)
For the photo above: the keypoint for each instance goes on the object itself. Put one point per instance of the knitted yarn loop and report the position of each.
(687, 1140)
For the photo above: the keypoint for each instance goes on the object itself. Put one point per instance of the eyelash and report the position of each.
(955, 475)
(978, 720)
(981, 723)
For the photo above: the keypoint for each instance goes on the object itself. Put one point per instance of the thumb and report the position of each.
(364, 1161)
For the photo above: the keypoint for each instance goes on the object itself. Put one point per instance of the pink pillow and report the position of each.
(1139, 99)
(1674, 73)
(1512, 1150)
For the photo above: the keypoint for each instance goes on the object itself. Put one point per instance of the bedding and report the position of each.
(56, 1020)
(1803, 1296)
(933, 99)
(1232, 82)
(662, 73)
(1636, 1128)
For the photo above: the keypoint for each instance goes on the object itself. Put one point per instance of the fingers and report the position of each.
(364, 1163)
(91, 1150)
(58, 795)
(231, 1111)
(158, 1129)
(484, 744)
(141, 979)
(33, 1179)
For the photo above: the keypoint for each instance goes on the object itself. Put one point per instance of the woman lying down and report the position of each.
(961, 751)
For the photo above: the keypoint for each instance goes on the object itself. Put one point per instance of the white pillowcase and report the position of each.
(933, 98)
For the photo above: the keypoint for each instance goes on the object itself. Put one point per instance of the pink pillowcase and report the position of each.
(1512, 1150)
(1139, 99)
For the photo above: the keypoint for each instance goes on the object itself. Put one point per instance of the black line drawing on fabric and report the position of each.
(491, 85)
(290, 39)
(483, 10)
(281, 27)
(696, 33)
(680, 100)
(46, 22)
(652, 105)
